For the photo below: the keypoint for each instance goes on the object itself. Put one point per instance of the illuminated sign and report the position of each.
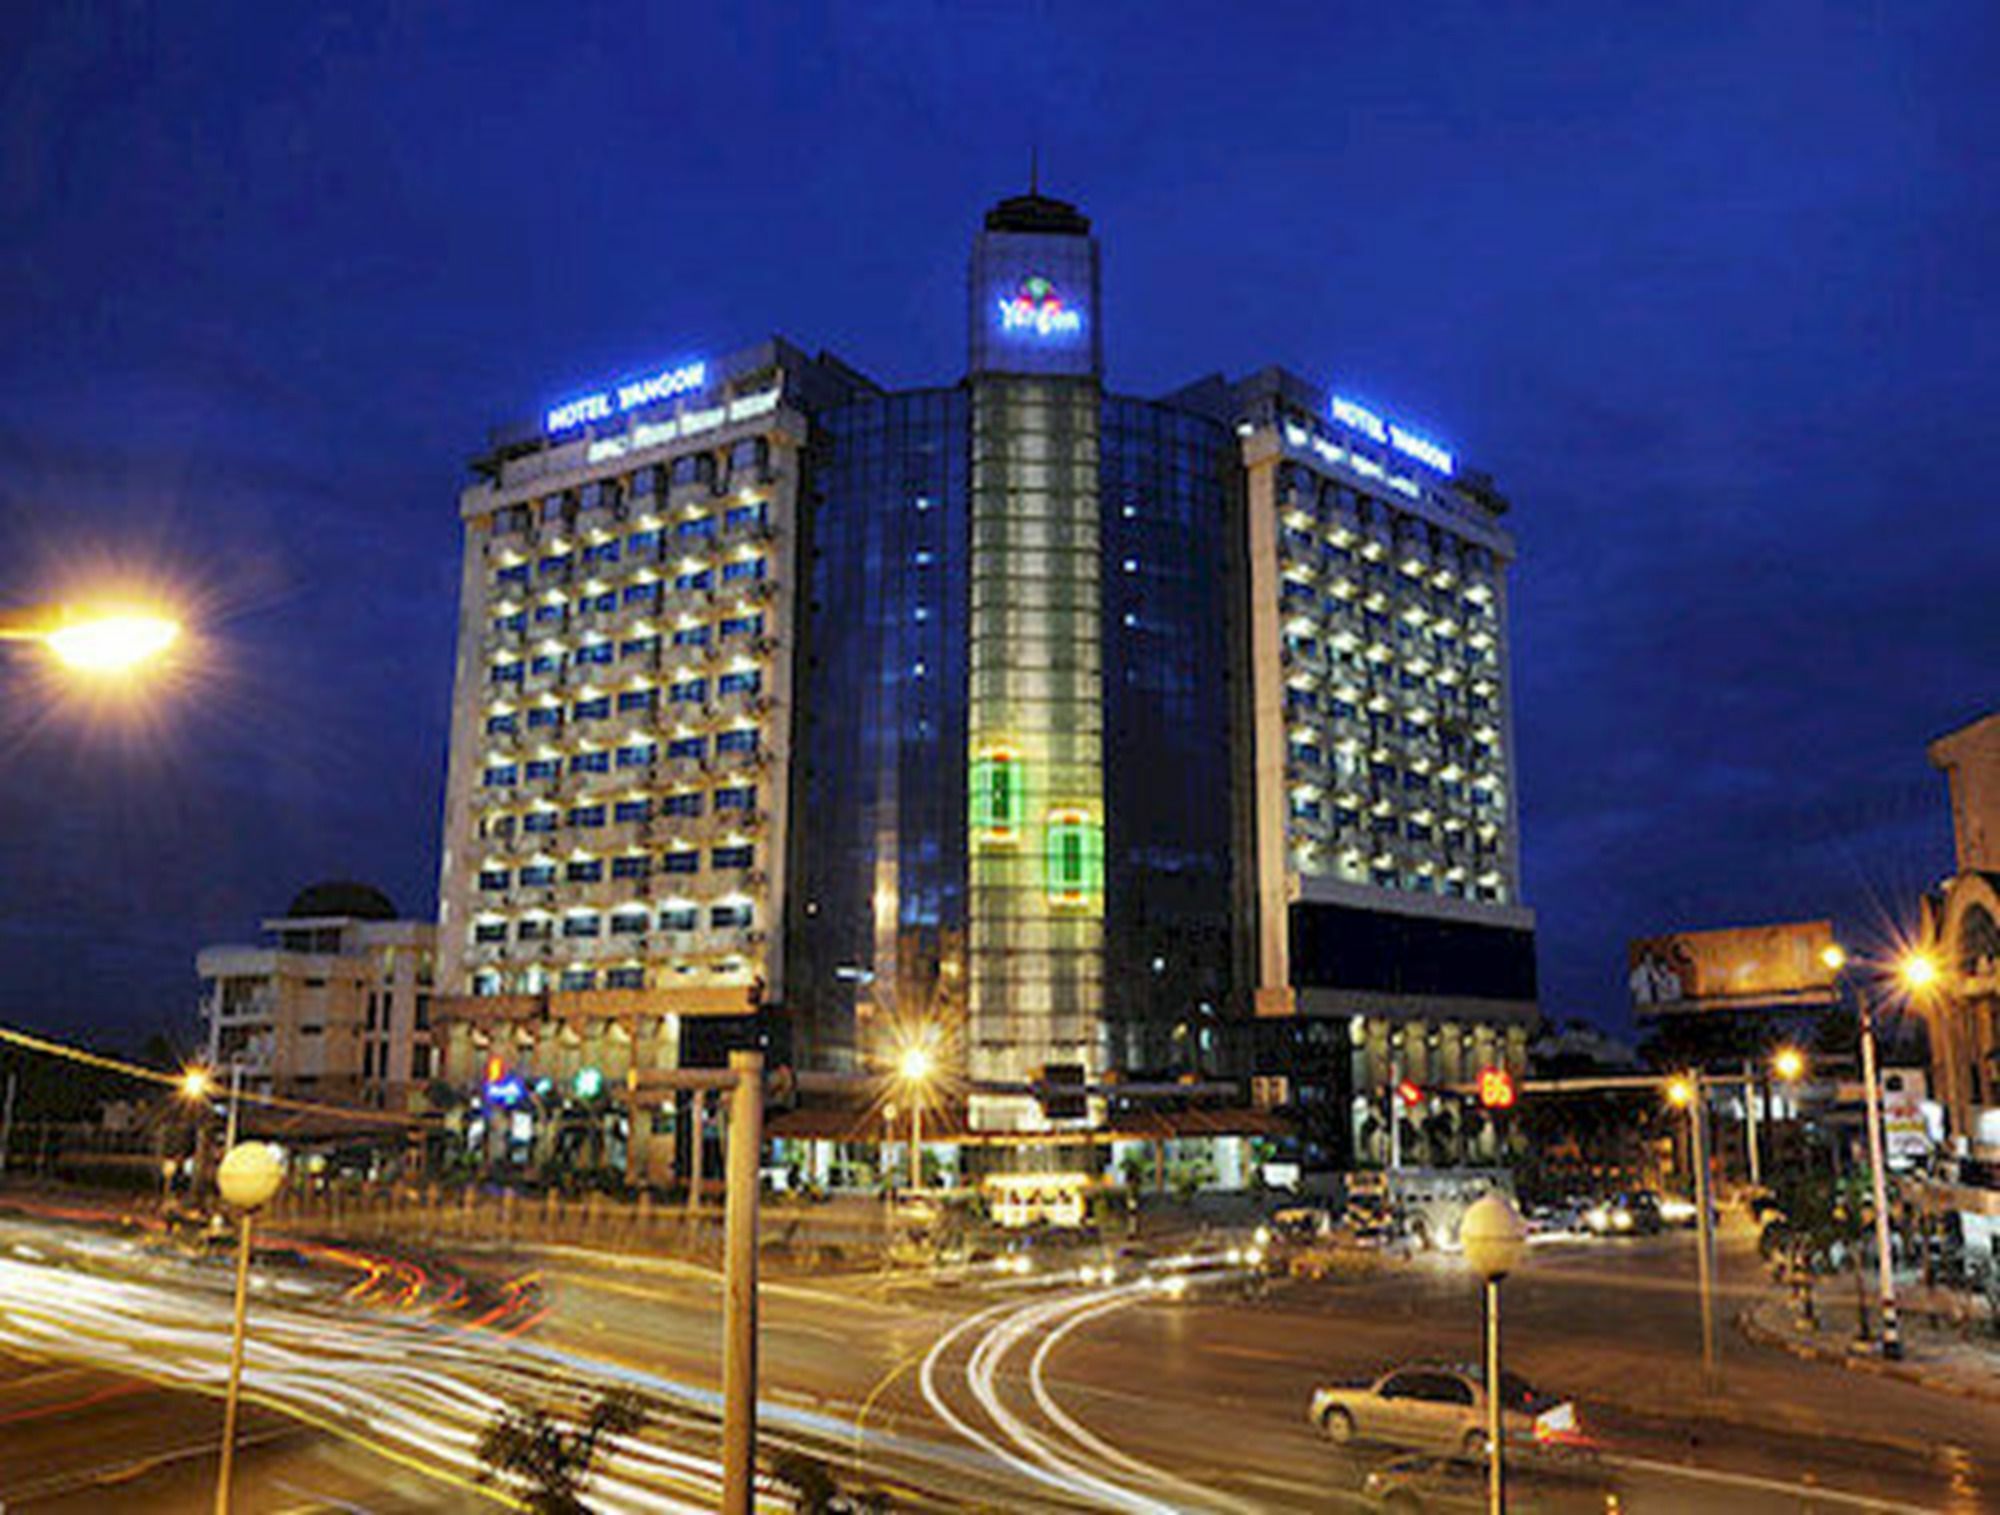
(1496, 1088)
(606, 403)
(1036, 309)
(1358, 417)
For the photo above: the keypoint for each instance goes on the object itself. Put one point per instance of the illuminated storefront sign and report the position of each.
(606, 403)
(1357, 417)
(1036, 309)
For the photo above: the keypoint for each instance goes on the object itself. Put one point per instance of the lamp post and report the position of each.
(1686, 1092)
(249, 1176)
(1917, 972)
(915, 1068)
(1494, 1238)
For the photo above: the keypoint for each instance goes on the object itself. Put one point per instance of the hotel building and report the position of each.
(1090, 733)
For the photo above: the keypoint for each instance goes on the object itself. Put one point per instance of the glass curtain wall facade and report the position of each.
(1167, 480)
(879, 924)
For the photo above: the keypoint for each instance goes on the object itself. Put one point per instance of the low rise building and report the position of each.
(334, 1005)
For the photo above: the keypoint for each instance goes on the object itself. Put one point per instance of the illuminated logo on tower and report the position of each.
(1036, 309)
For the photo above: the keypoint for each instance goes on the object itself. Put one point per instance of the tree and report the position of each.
(1810, 1219)
(548, 1462)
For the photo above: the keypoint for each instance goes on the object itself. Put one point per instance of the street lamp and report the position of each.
(196, 1082)
(1916, 970)
(915, 1068)
(1684, 1091)
(1789, 1064)
(249, 1176)
(1494, 1237)
(106, 642)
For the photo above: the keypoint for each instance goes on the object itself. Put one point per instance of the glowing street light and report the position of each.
(1680, 1092)
(1789, 1064)
(197, 1083)
(915, 1067)
(1919, 970)
(1834, 956)
(1495, 1238)
(104, 643)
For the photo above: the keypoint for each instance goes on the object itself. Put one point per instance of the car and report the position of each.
(1633, 1214)
(1440, 1406)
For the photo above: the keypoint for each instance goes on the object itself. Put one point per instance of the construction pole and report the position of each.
(739, 1285)
(235, 1093)
(1704, 1259)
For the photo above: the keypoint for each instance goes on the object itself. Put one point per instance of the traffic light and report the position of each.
(1496, 1088)
(588, 1084)
(1410, 1093)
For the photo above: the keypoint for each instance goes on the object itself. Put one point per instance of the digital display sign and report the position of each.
(603, 404)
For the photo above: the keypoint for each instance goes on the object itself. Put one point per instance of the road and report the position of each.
(1044, 1393)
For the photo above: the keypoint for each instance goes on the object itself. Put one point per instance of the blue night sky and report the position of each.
(1709, 292)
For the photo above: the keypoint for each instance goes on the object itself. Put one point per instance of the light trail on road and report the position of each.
(1063, 1461)
(411, 1390)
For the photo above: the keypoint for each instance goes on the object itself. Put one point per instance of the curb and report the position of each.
(1759, 1334)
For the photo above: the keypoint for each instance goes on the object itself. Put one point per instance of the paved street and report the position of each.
(938, 1391)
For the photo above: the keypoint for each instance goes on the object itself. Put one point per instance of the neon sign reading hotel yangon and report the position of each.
(606, 403)
(1036, 309)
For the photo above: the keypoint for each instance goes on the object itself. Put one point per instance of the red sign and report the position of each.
(1496, 1088)
(1409, 1093)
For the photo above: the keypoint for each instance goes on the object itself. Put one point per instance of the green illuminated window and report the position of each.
(1075, 858)
(999, 796)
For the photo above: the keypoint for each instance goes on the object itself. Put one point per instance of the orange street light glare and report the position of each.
(1919, 970)
(1680, 1091)
(113, 643)
(1789, 1064)
(195, 1083)
(1834, 956)
(915, 1065)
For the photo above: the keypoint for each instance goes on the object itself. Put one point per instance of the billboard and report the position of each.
(1744, 968)
(1905, 1133)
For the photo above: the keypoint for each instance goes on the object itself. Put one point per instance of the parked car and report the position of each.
(1439, 1406)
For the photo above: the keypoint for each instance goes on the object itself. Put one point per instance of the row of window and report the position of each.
(555, 617)
(552, 718)
(695, 691)
(644, 547)
(592, 870)
(635, 920)
(596, 813)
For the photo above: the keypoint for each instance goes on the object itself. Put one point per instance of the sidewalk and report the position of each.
(1950, 1361)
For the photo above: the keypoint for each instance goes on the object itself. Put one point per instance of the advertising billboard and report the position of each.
(1743, 968)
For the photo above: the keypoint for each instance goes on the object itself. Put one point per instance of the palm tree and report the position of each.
(549, 1462)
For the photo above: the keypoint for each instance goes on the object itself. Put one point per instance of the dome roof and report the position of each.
(342, 897)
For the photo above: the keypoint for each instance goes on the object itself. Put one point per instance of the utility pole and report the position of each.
(1750, 1094)
(7, 1123)
(739, 1320)
(1885, 1262)
(1705, 1241)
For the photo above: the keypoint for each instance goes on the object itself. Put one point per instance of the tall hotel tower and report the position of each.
(1035, 705)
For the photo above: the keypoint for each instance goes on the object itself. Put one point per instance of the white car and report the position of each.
(1439, 1406)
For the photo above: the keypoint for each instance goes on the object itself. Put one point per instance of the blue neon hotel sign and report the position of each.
(1360, 418)
(615, 401)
